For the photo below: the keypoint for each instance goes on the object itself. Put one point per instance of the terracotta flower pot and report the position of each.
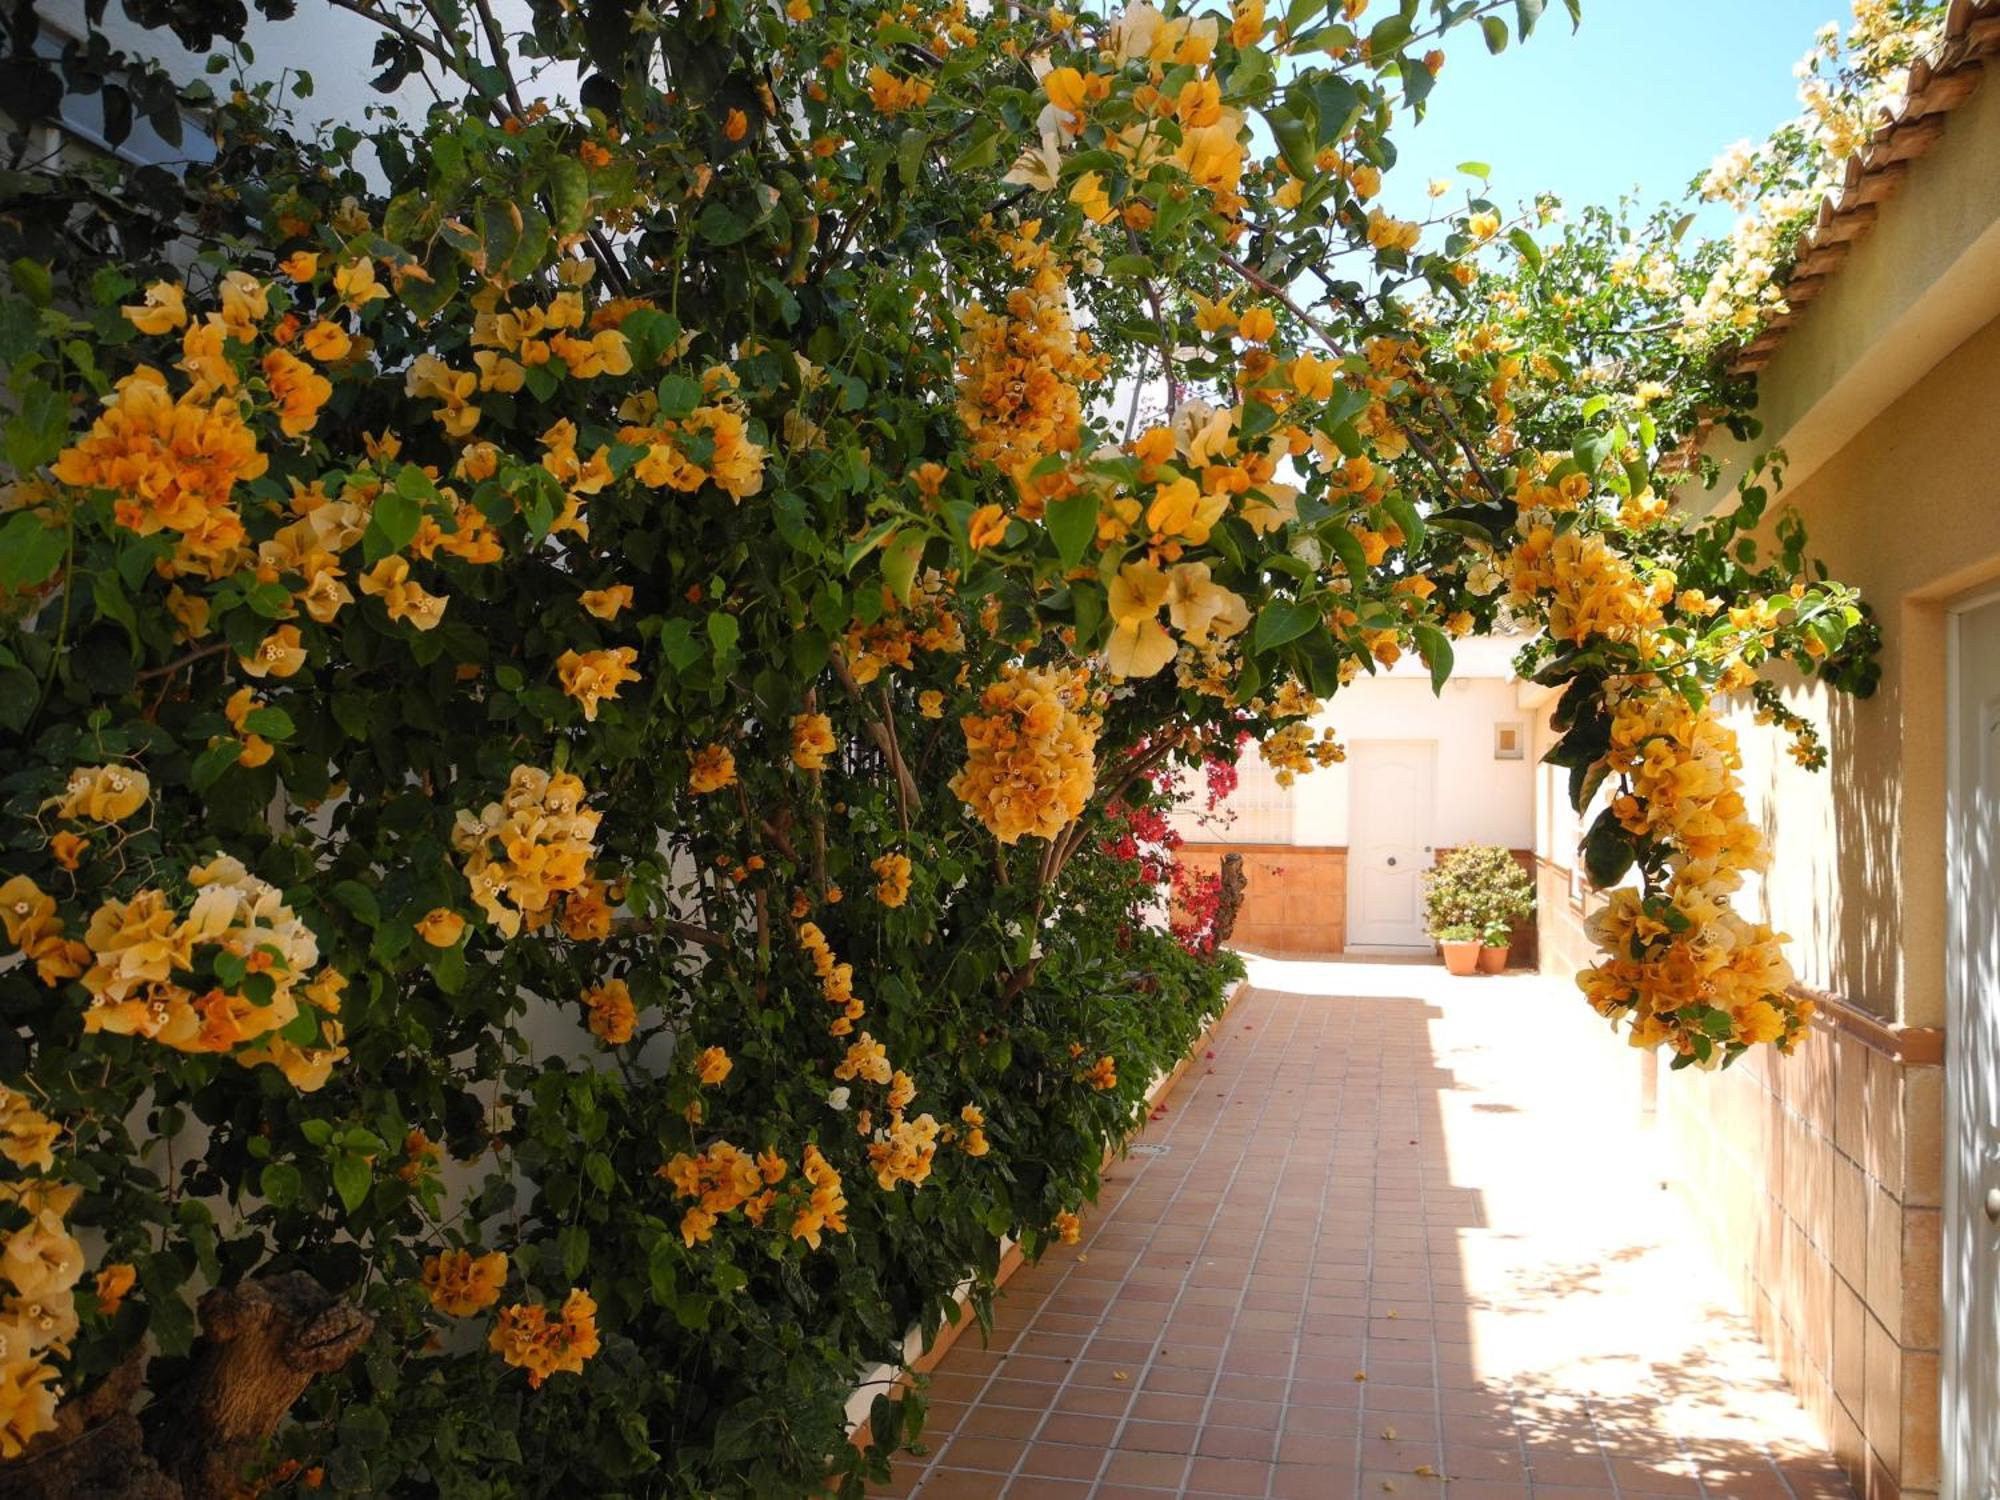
(1461, 958)
(1493, 960)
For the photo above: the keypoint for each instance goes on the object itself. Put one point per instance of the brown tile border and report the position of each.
(1012, 1259)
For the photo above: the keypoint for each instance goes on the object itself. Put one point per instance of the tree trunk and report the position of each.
(262, 1344)
(1229, 902)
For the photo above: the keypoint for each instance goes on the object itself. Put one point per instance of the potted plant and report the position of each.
(1482, 890)
(1460, 943)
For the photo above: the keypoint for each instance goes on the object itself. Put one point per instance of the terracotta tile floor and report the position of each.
(1443, 1186)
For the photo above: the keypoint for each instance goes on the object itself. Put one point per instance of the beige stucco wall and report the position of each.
(1908, 509)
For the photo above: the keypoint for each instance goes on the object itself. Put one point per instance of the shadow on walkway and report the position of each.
(1409, 1242)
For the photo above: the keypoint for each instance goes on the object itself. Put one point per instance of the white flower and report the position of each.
(838, 1098)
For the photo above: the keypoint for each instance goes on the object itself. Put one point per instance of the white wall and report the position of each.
(1480, 800)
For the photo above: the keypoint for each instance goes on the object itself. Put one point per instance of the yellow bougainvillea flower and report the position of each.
(441, 927)
(1312, 377)
(988, 527)
(163, 311)
(1181, 511)
(866, 1059)
(460, 1283)
(528, 1339)
(355, 284)
(1201, 608)
(712, 1065)
(1088, 194)
(610, 1013)
(1139, 644)
(825, 1210)
(892, 879)
(1212, 317)
(930, 703)
(607, 603)
(904, 1152)
(590, 677)
(300, 265)
(67, 848)
(406, 601)
(103, 794)
(27, 1137)
(256, 749)
(112, 1284)
(1030, 753)
(1068, 1227)
(279, 654)
(812, 741)
(1103, 1073)
(326, 342)
(713, 769)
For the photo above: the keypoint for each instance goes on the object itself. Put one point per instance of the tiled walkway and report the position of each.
(1395, 1234)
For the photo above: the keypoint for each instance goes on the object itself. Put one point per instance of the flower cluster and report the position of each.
(836, 979)
(892, 879)
(722, 1179)
(40, 1265)
(460, 1283)
(526, 849)
(1681, 966)
(609, 1012)
(1586, 587)
(254, 954)
(1030, 753)
(1020, 370)
(526, 1337)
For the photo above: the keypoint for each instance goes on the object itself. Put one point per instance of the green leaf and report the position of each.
(569, 193)
(1591, 451)
(910, 155)
(36, 431)
(900, 557)
(1348, 546)
(1407, 519)
(1607, 851)
(1524, 242)
(29, 551)
(1435, 647)
(272, 723)
(359, 901)
(724, 630)
(1072, 522)
(1280, 621)
(1338, 104)
(1496, 33)
(280, 1184)
(1294, 137)
(351, 1177)
(678, 395)
(212, 762)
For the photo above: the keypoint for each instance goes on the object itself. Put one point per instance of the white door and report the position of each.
(1971, 1375)
(1390, 787)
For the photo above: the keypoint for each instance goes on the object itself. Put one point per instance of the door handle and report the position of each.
(1993, 1205)
(1392, 859)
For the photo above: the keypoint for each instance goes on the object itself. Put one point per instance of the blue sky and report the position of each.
(1644, 94)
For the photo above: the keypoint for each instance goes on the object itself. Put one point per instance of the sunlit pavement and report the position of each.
(1398, 1233)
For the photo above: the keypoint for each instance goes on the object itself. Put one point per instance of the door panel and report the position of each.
(1972, 1205)
(1391, 784)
